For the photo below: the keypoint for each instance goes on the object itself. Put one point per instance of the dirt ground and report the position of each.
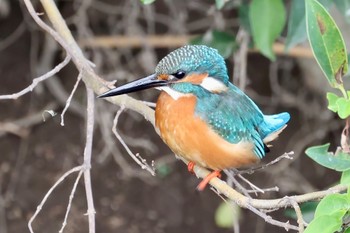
(36, 153)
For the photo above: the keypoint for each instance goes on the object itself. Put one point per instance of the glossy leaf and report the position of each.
(146, 2)
(345, 178)
(344, 7)
(296, 24)
(332, 101)
(326, 42)
(324, 224)
(320, 154)
(267, 19)
(339, 105)
(343, 107)
(224, 42)
(227, 214)
(333, 204)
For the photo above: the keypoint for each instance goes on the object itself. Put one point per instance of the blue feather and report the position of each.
(275, 122)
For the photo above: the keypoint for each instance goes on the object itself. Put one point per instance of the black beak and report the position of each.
(137, 85)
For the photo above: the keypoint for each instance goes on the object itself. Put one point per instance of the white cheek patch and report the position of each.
(174, 94)
(213, 85)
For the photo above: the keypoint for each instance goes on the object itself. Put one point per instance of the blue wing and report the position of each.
(235, 117)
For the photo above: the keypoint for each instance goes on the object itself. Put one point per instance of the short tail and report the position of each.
(274, 125)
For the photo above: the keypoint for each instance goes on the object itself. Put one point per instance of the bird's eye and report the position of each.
(179, 74)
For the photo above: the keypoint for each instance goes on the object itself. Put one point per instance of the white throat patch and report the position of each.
(174, 94)
(213, 85)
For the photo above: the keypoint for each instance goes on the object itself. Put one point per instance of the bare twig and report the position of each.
(87, 158)
(137, 158)
(71, 196)
(59, 181)
(240, 59)
(287, 155)
(36, 81)
(70, 97)
(13, 36)
(299, 214)
(19, 126)
(286, 225)
(171, 41)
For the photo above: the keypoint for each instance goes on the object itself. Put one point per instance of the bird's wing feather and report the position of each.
(234, 117)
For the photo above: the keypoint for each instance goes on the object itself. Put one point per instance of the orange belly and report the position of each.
(188, 136)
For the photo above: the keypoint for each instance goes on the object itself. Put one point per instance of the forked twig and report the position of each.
(138, 159)
(47, 195)
(36, 81)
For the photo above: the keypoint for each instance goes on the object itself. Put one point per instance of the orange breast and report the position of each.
(188, 136)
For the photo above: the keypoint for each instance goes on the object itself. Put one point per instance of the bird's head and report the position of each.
(191, 69)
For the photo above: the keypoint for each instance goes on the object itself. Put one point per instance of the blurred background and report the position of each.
(125, 40)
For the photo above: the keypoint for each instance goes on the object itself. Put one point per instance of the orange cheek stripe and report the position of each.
(194, 78)
(163, 77)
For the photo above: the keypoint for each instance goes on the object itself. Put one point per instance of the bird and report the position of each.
(202, 116)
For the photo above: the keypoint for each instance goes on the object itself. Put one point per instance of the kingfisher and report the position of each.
(202, 116)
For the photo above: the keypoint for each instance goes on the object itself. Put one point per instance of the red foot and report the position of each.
(207, 179)
(190, 167)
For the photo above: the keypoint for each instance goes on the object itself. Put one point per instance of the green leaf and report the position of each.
(344, 7)
(267, 19)
(220, 3)
(320, 154)
(332, 101)
(146, 2)
(307, 209)
(243, 15)
(347, 230)
(227, 214)
(324, 224)
(224, 42)
(345, 177)
(296, 24)
(326, 42)
(343, 107)
(333, 204)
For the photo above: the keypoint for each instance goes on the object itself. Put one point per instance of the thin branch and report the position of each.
(36, 81)
(137, 158)
(71, 196)
(24, 123)
(287, 155)
(240, 59)
(13, 36)
(59, 181)
(299, 214)
(87, 158)
(172, 41)
(286, 225)
(70, 97)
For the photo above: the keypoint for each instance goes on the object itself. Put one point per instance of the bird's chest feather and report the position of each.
(190, 137)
